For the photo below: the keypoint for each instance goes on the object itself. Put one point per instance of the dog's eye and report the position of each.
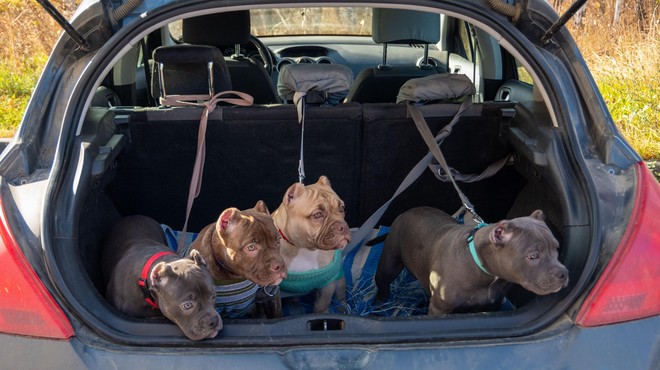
(533, 256)
(251, 247)
(341, 209)
(318, 214)
(187, 305)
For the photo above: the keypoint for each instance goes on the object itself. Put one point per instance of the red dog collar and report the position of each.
(143, 282)
(284, 237)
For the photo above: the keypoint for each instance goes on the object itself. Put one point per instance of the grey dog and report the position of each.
(465, 268)
(147, 279)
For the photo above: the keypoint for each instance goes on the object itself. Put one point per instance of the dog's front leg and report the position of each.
(324, 296)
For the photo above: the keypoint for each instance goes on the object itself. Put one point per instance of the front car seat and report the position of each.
(381, 84)
(188, 70)
(231, 29)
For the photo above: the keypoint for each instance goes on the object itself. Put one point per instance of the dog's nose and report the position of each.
(339, 226)
(560, 273)
(213, 322)
(276, 266)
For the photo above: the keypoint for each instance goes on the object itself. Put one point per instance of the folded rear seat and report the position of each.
(252, 153)
(392, 146)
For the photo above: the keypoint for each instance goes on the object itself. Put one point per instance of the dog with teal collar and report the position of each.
(466, 268)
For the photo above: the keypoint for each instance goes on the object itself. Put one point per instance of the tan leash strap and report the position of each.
(240, 99)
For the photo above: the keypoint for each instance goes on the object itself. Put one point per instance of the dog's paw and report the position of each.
(343, 308)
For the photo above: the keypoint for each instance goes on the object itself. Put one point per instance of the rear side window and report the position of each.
(523, 75)
(466, 58)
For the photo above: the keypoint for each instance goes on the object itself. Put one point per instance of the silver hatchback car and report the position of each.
(111, 130)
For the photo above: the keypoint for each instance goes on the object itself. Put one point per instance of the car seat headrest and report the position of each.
(189, 70)
(318, 83)
(331, 79)
(397, 26)
(443, 86)
(218, 29)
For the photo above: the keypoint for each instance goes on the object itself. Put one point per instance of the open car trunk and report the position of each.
(140, 160)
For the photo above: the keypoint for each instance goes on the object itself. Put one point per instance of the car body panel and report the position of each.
(625, 345)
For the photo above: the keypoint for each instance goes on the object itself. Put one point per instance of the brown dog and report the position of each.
(311, 222)
(145, 278)
(242, 250)
(469, 268)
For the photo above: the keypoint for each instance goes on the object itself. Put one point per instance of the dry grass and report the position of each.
(27, 30)
(28, 35)
(625, 63)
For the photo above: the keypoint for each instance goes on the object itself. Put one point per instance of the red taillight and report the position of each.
(629, 288)
(26, 308)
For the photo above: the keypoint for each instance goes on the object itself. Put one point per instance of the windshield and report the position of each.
(311, 21)
(353, 21)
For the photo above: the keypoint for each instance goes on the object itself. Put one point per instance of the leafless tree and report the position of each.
(617, 12)
(578, 18)
(646, 12)
(557, 4)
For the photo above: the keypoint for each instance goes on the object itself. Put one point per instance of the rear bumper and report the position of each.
(631, 345)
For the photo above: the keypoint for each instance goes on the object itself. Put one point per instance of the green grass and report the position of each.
(635, 106)
(626, 67)
(633, 102)
(16, 83)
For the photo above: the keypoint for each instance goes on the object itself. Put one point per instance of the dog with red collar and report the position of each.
(145, 278)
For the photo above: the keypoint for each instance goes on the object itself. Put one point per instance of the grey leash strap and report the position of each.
(416, 171)
(299, 101)
(491, 170)
(368, 225)
(430, 141)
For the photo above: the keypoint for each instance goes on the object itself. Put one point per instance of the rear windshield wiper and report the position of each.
(514, 12)
(68, 28)
(562, 20)
(116, 15)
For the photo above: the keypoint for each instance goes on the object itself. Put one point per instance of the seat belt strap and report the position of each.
(417, 170)
(433, 145)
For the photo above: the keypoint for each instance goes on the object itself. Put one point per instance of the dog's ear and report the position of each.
(500, 234)
(539, 215)
(199, 260)
(323, 180)
(261, 207)
(227, 219)
(294, 191)
(159, 275)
